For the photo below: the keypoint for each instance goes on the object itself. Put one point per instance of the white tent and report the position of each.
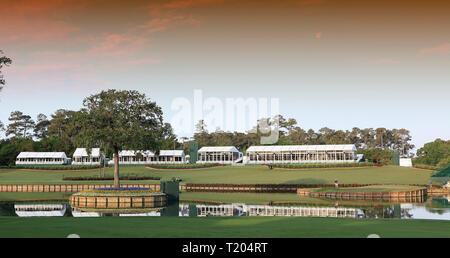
(171, 157)
(41, 158)
(135, 157)
(81, 156)
(218, 154)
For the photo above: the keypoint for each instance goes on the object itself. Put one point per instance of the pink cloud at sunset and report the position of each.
(118, 45)
(443, 49)
(38, 21)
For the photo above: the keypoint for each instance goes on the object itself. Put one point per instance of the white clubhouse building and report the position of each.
(41, 158)
(302, 154)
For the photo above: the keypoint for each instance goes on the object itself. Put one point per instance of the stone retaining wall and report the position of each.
(397, 196)
(118, 202)
(257, 188)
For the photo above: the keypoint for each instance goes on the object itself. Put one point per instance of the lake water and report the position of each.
(437, 208)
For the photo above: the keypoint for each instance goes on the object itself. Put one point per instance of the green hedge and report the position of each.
(444, 172)
(324, 165)
(424, 166)
(183, 166)
(56, 167)
(106, 178)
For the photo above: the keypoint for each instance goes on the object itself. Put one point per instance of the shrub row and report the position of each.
(118, 191)
(184, 166)
(424, 166)
(56, 167)
(444, 172)
(325, 165)
(105, 178)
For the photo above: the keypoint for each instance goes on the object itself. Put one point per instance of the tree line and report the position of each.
(56, 133)
(290, 133)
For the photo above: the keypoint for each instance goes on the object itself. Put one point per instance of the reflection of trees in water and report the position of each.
(68, 211)
(434, 210)
(379, 212)
(406, 214)
(439, 202)
(388, 212)
(7, 209)
(437, 205)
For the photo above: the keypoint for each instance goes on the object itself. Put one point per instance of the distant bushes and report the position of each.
(56, 167)
(377, 155)
(445, 172)
(435, 153)
(324, 165)
(184, 166)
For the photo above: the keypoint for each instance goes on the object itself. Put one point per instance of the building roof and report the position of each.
(279, 148)
(218, 149)
(82, 152)
(128, 153)
(171, 153)
(42, 155)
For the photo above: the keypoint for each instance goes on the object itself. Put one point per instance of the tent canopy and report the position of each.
(290, 148)
(42, 155)
(82, 152)
(171, 153)
(218, 149)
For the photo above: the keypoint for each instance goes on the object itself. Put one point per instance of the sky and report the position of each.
(338, 64)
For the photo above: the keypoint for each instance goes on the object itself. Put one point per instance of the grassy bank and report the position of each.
(236, 175)
(245, 227)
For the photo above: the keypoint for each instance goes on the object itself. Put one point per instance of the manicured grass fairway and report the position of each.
(245, 227)
(237, 175)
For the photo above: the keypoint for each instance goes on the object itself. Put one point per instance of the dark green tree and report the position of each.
(28, 126)
(118, 120)
(15, 127)
(434, 153)
(41, 128)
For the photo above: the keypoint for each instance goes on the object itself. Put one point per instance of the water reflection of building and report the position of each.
(262, 210)
(82, 214)
(219, 210)
(143, 214)
(40, 210)
(265, 210)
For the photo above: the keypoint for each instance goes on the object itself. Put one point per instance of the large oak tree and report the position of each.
(118, 120)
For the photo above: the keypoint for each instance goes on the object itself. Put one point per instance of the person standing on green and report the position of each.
(336, 183)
